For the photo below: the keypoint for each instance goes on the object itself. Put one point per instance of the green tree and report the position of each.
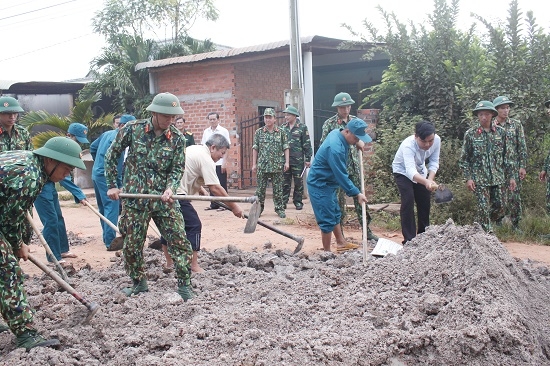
(438, 72)
(126, 24)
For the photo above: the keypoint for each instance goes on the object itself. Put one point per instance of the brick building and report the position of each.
(240, 83)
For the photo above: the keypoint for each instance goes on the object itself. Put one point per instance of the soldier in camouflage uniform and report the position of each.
(543, 175)
(343, 102)
(22, 176)
(12, 135)
(516, 155)
(154, 165)
(270, 158)
(485, 167)
(299, 146)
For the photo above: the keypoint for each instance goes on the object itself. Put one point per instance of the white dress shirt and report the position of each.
(411, 159)
(209, 132)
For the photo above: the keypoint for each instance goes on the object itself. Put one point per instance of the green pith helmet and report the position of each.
(62, 149)
(484, 105)
(10, 105)
(342, 99)
(165, 103)
(502, 100)
(292, 110)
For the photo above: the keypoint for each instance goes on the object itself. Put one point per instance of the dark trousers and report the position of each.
(412, 193)
(193, 225)
(223, 182)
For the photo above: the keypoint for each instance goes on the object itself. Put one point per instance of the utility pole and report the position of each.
(295, 95)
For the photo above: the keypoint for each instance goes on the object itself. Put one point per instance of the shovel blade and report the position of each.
(253, 217)
(299, 246)
(443, 195)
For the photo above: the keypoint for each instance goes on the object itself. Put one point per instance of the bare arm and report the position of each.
(218, 190)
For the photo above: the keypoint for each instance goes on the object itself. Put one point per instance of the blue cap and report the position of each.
(359, 128)
(80, 132)
(126, 118)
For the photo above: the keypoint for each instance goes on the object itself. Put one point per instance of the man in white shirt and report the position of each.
(200, 170)
(414, 180)
(221, 171)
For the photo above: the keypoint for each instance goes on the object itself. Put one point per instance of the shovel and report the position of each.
(116, 242)
(364, 241)
(47, 247)
(188, 197)
(93, 307)
(298, 239)
(442, 194)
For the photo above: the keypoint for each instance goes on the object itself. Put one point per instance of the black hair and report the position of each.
(211, 113)
(180, 117)
(424, 129)
(117, 117)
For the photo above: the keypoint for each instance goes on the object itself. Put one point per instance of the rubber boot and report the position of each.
(30, 339)
(186, 293)
(4, 327)
(370, 235)
(139, 286)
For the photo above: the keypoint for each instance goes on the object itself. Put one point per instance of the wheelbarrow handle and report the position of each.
(188, 197)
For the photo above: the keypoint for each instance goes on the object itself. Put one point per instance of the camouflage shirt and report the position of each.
(271, 148)
(22, 177)
(334, 123)
(20, 139)
(189, 138)
(154, 163)
(483, 156)
(299, 143)
(516, 148)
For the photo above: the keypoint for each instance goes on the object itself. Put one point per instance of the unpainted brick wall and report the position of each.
(234, 89)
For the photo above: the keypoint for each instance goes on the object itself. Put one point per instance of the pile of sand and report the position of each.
(453, 296)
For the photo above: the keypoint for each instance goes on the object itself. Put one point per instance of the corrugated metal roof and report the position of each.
(232, 52)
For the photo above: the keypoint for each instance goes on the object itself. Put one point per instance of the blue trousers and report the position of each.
(49, 211)
(107, 207)
(325, 207)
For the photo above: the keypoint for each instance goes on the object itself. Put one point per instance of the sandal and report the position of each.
(348, 246)
(210, 208)
(68, 255)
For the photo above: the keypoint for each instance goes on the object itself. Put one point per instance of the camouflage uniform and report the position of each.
(154, 164)
(516, 156)
(189, 138)
(354, 172)
(483, 160)
(271, 147)
(22, 176)
(299, 146)
(20, 139)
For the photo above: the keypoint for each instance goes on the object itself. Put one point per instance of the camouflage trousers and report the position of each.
(490, 205)
(133, 226)
(14, 306)
(277, 182)
(513, 203)
(294, 174)
(548, 196)
(357, 206)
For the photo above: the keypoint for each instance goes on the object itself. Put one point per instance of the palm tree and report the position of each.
(81, 113)
(115, 75)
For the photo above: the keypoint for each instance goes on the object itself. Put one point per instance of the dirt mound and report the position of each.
(452, 296)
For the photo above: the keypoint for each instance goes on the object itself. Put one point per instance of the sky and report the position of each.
(53, 40)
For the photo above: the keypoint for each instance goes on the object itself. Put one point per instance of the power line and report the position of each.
(33, 11)
(44, 48)
(16, 5)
